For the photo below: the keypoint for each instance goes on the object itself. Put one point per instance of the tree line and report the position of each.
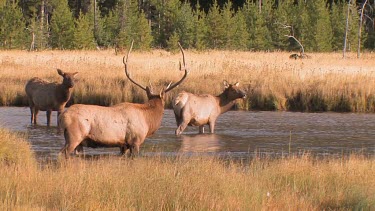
(261, 25)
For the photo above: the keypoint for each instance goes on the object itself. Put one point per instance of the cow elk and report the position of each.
(199, 110)
(46, 96)
(125, 125)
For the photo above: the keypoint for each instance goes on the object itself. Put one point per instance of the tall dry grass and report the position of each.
(185, 183)
(326, 82)
(15, 149)
(182, 182)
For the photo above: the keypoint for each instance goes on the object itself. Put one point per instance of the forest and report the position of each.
(247, 25)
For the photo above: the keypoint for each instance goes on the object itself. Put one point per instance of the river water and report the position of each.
(238, 134)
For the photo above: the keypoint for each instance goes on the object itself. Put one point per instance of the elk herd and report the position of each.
(125, 125)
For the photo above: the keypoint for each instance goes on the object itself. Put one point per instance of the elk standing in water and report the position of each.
(125, 125)
(199, 110)
(46, 96)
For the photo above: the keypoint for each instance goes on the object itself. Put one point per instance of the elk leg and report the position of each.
(36, 111)
(212, 127)
(32, 114)
(181, 128)
(201, 129)
(72, 141)
(58, 114)
(78, 150)
(124, 149)
(49, 117)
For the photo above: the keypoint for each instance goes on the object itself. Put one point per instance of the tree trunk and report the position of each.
(360, 30)
(346, 30)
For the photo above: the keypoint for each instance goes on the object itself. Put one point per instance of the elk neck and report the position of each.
(154, 112)
(225, 103)
(63, 93)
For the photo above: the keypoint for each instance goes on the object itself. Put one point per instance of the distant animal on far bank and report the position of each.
(199, 110)
(49, 96)
(299, 56)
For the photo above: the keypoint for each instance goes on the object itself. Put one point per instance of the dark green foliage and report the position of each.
(83, 33)
(232, 25)
(323, 31)
(12, 27)
(62, 26)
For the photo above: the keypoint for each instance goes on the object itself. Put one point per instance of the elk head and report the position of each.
(148, 89)
(68, 78)
(232, 91)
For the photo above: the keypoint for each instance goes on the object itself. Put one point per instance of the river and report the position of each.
(238, 134)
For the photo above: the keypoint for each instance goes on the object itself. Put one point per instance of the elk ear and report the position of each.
(226, 84)
(237, 84)
(60, 72)
(74, 74)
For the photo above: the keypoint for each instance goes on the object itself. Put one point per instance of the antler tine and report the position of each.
(125, 61)
(170, 87)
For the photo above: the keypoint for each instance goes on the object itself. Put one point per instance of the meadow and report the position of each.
(183, 182)
(325, 82)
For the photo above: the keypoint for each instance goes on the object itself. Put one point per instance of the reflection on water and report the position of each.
(237, 133)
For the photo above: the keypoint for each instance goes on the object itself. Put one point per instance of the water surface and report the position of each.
(240, 134)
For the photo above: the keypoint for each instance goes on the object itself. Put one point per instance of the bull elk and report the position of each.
(125, 125)
(46, 96)
(199, 110)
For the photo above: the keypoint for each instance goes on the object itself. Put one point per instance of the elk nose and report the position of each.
(243, 94)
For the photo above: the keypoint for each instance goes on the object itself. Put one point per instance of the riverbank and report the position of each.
(325, 82)
(193, 183)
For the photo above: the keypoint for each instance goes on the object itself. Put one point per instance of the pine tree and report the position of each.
(136, 28)
(217, 30)
(12, 27)
(62, 26)
(83, 34)
(353, 28)
(322, 26)
(200, 29)
(250, 14)
(184, 24)
(282, 15)
(165, 20)
(111, 28)
(240, 39)
(338, 19)
(303, 26)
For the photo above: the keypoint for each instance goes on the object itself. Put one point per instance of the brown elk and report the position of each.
(199, 110)
(46, 96)
(125, 125)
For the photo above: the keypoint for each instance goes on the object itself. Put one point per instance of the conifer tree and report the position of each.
(136, 27)
(338, 19)
(111, 28)
(200, 29)
(83, 34)
(240, 40)
(353, 28)
(322, 26)
(62, 26)
(250, 14)
(282, 15)
(303, 28)
(217, 30)
(12, 27)
(184, 24)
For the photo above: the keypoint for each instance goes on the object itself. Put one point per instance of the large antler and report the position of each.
(170, 87)
(125, 61)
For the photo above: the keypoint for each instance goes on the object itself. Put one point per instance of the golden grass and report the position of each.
(15, 150)
(326, 82)
(192, 183)
(183, 182)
